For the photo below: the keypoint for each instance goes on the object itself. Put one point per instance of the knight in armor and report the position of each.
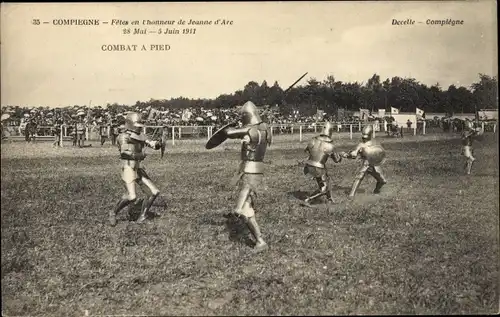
(131, 144)
(467, 136)
(320, 148)
(255, 136)
(372, 156)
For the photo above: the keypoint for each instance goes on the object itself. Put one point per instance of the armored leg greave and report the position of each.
(242, 199)
(381, 181)
(146, 205)
(124, 202)
(254, 228)
(468, 165)
(260, 244)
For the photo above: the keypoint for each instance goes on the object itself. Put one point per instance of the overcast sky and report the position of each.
(48, 65)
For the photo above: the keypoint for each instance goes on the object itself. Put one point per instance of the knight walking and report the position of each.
(320, 148)
(255, 136)
(372, 156)
(131, 144)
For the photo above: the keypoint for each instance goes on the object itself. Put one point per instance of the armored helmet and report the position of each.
(367, 133)
(328, 129)
(250, 113)
(133, 122)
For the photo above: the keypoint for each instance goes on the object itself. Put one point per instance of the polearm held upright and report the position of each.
(295, 83)
(285, 92)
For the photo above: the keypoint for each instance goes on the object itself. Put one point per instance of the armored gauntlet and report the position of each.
(336, 157)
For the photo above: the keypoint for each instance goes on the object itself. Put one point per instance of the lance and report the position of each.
(295, 83)
(285, 92)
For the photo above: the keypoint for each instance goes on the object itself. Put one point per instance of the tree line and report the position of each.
(329, 95)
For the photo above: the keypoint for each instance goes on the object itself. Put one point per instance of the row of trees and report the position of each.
(329, 95)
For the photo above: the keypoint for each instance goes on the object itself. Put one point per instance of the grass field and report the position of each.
(429, 244)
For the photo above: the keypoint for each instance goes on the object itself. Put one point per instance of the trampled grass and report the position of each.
(429, 244)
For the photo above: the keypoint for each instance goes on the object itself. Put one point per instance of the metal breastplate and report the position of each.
(126, 142)
(320, 151)
(253, 152)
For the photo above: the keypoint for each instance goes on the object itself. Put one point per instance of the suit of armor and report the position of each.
(366, 167)
(467, 136)
(320, 148)
(131, 144)
(255, 136)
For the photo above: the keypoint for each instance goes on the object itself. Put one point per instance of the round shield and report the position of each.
(218, 137)
(374, 154)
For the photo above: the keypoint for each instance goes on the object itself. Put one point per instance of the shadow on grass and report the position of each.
(344, 189)
(238, 231)
(212, 219)
(236, 227)
(301, 195)
(133, 211)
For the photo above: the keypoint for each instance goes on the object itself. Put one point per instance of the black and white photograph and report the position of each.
(276, 158)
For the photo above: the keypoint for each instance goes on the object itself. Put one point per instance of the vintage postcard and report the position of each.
(249, 158)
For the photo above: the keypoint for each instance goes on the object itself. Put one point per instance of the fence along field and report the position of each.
(181, 133)
(427, 245)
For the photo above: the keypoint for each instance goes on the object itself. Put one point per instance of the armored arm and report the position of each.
(236, 133)
(336, 157)
(127, 154)
(353, 154)
(154, 144)
(142, 138)
(330, 151)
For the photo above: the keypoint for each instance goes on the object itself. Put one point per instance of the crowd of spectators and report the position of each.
(41, 121)
(19, 118)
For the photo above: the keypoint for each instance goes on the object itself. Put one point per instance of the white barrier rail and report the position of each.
(177, 133)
